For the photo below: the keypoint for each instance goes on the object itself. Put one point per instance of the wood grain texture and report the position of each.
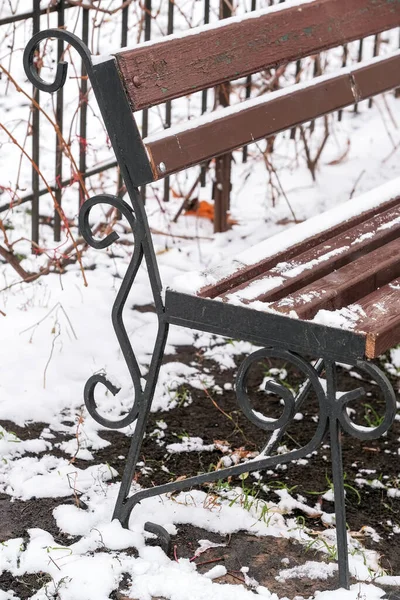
(317, 262)
(223, 133)
(380, 318)
(178, 66)
(245, 274)
(278, 112)
(346, 285)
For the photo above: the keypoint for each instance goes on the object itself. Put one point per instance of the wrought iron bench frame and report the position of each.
(280, 336)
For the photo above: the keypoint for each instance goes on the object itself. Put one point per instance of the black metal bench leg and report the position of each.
(143, 398)
(137, 439)
(339, 420)
(333, 408)
(338, 480)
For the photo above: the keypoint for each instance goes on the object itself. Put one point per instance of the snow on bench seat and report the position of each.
(341, 268)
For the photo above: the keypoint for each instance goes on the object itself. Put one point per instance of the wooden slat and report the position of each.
(251, 121)
(180, 65)
(320, 260)
(246, 274)
(380, 318)
(346, 285)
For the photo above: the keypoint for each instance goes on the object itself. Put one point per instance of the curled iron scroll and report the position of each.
(368, 433)
(62, 67)
(123, 338)
(280, 390)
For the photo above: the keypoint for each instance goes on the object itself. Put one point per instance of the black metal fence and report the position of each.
(60, 183)
(60, 7)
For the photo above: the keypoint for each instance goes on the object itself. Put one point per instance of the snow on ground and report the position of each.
(57, 332)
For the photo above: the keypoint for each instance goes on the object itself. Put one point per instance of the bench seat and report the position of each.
(340, 269)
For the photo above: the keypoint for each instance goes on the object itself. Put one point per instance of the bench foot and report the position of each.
(161, 533)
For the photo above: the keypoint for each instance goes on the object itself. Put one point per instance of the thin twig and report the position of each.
(56, 205)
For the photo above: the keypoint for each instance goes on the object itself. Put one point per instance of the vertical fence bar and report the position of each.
(397, 91)
(222, 185)
(145, 113)
(316, 71)
(170, 29)
(59, 120)
(297, 79)
(359, 59)
(344, 64)
(377, 42)
(124, 25)
(83, 106)
(35, 142)
(248, 87)
(204, 92)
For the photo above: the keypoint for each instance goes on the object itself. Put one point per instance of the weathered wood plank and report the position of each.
(246, 124)
(288, 276)
(380, 318)
(246, 274)
(346, 285)
(180, 65)
(204, 138)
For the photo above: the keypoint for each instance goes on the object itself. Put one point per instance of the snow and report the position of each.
(388, 580)
(48, 476)
(190, 444)
(345, 317)
(198, 30)
(310, 570)
(295, 235)
(216, 572)
(356, 592)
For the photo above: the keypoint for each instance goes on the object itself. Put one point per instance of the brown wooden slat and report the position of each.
(181, 65)
(278, 112)
(243, 275)
(370, 80)
(380, 318)
(225, 133)
(346, 285)
(321, 259)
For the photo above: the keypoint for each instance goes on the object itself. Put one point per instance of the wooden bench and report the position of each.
(345, 263)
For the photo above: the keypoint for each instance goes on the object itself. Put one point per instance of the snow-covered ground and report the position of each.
(56, 332)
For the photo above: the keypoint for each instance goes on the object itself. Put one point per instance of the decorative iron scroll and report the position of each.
(368, 433)
(142, 248)
(117, 310)
(329, 406)
(62, 67)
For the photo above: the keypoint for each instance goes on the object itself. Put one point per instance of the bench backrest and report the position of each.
(178, 65)
(155, 72)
